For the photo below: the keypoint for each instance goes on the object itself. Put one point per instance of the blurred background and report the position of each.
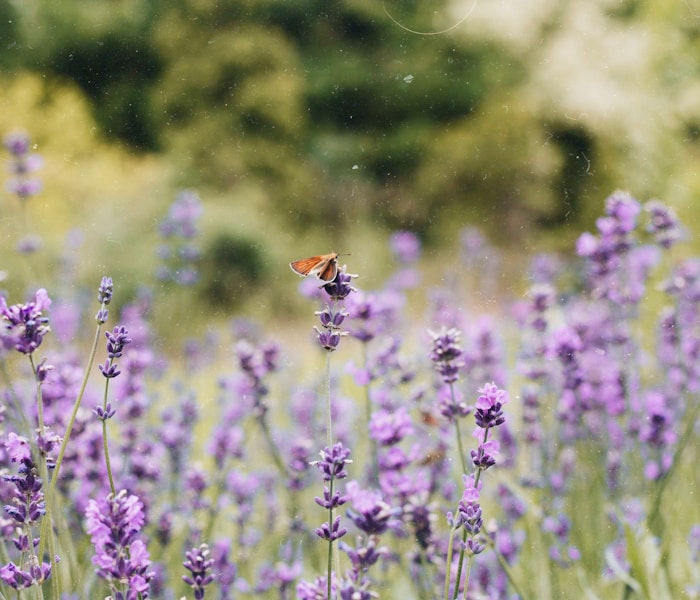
(311, 126)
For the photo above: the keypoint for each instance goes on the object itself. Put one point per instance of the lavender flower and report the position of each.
(332, 317)
(226, 571)
(116, 340)
(406, 246)
(26, 511)
(104, 297)
(333, 461)
(120, 556)
(534, 316)
(544, 268)
(361, 308)
(485, 455)
(451, 403)
(489, 406)
(179, 254)
(356, 586)
(488, 414)
(606, 253)
(657, 435)
(446, 354)
(17, 579)
(694, 543)
(199, 565)
(352, 589)
(298, 464)
(28, 505)
(390, 427)
(42, 370)
(560, 551)
(255, 364)
(370, 513)
(663, 224)
(332, 466)
(373, 313)
(280, 576)
(469, 516)
(316, 590)
(22, 163)
(483, 358)
(340, 287)
(105, 291)
(329, 339)
(331, 532)
(25, 324)
(421, 515)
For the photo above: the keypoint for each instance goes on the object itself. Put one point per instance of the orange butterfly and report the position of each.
(324, 266)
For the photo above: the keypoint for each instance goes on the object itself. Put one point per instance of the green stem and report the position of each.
(458, 434)
(104, 436)
(330, 544)
(448, 566)
(216, 487)
(44, 473)
(460, 448)
(690, 422)
(470, 561)
(272, 447)
(332, 556)
(16, 405)
(328, 396)
(281, 467)
(106, 452)
(460, 566)
(477, 476)
(69, 428)
(373, 462)
(506, 569)
(39, 398)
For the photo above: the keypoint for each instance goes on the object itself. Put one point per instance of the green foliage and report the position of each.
(9, 36)
(105, 50)
(230, 266)
(520, 119)
(91, 190)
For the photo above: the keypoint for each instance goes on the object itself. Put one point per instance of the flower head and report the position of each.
(179, 228)
(331, 532)
(389, 428)
(663, 223)
(340, 287)
(17, 579)
(116, 340)
(198, 564)
(104, 292)
(28, 504)
(333, 461)
(446, 353)
(406, 246)
(22, 163)
(489, 406)
(25, 325)
(370, 513)
(114, 525)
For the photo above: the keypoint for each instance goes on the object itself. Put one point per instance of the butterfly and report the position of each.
(324, 266)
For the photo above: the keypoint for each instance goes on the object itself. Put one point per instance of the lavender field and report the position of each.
(418, 440)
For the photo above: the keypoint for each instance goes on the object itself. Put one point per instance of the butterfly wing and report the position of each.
(324, 266)
(306, 265)
(329, 271)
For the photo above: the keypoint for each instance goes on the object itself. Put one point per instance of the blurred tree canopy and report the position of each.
(521, 118)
